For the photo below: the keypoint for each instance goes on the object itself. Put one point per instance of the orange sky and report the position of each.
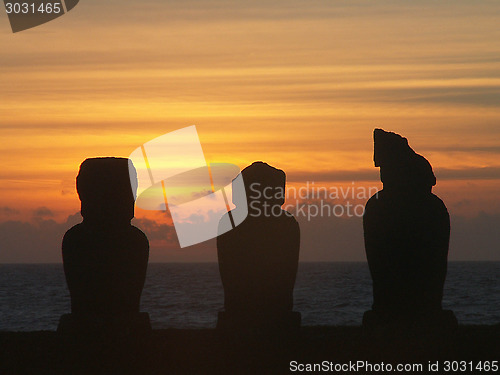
(299, 84)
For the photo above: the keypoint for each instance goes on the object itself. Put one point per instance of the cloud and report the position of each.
(40, 241)
(485, 173)
(33, 242)
(164, 246)
(331, 239)
(155, 231)
(322, 239)
(478, 96)
(341, 239)
(476, 238)
(43, 212)
(334, 175)
(8, 211)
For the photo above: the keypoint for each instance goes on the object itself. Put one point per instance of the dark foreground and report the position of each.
(203, 351)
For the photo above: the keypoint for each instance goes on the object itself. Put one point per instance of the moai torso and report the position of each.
(406, 241)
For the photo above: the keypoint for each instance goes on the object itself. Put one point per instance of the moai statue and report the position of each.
(105, 257)
(407, 232)
(258, 259)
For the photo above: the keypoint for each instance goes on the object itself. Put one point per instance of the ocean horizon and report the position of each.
(189, 295)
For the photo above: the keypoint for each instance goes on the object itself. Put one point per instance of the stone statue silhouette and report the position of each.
(258, 259)
(406, 231)
(105, 257)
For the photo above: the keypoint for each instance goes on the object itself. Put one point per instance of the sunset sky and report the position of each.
(298, 84)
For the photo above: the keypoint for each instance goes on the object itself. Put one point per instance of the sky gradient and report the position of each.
(298, 84)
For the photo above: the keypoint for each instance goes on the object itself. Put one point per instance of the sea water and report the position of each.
(189, 295)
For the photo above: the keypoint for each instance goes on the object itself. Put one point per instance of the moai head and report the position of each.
(105, 190)
(401, 168)
(263, 184)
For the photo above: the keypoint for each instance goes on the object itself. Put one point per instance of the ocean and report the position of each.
(189, 295)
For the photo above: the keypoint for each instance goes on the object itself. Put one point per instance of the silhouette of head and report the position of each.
(105, 190)
(401, 168)
(263, 184)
